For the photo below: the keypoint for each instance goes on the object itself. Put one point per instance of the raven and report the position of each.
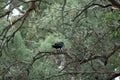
(58, 45)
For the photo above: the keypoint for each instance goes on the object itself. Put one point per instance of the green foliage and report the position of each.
(112, 18)
(94, 32)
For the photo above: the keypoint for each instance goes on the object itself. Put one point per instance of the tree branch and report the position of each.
(82, 73)
(115, 3)
(6, 38)
(87, 7)
(116, 74)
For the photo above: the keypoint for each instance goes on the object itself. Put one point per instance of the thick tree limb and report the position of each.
(115, 3)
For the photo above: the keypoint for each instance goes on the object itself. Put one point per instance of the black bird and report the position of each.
(58, 45)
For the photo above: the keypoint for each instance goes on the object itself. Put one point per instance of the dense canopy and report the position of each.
(90, 30)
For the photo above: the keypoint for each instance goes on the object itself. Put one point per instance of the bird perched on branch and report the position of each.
(58, 45)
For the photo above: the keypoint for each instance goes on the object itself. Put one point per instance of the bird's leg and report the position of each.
(60, 49)
(57, 51)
